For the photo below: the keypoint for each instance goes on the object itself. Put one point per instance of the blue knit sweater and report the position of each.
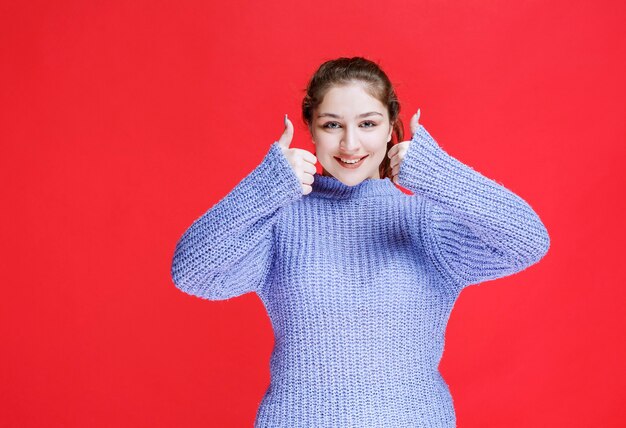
(358, 281)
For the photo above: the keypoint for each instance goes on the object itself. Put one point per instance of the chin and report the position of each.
(350, 177)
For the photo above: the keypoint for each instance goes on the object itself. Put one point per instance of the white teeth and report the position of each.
(350, 161)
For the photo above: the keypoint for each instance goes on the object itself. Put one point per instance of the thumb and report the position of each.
(285, 139)
(415, 122)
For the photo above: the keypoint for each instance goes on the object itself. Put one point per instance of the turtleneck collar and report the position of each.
(330, 187)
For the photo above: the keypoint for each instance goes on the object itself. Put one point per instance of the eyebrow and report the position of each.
(336, 116)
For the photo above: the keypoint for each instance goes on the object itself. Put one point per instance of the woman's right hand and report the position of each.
(301, 161)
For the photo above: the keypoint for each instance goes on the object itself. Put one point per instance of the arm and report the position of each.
(473, 228)
(228, 250)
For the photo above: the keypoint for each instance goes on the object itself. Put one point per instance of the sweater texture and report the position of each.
(358, 281)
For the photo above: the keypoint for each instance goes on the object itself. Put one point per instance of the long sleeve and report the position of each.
(473, 228)
(228, 250)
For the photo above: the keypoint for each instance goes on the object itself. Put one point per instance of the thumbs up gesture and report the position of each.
(398, 151)
(301, 161)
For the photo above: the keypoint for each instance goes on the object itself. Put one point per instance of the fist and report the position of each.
(302, 162)
(398, 151)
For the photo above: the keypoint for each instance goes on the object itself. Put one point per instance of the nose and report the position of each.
(350, 141)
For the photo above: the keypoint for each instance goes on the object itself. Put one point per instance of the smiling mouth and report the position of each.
(351, 164)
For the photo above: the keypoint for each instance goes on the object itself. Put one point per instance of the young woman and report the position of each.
(358, 278)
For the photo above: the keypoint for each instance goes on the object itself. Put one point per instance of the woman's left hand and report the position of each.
(397, 152)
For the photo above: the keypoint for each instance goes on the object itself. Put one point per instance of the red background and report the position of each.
(122, 122)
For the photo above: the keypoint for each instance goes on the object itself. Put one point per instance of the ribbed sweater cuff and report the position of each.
(428, 170)
(273, 181)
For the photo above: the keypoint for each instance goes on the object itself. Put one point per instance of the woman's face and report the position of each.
(351, 124)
